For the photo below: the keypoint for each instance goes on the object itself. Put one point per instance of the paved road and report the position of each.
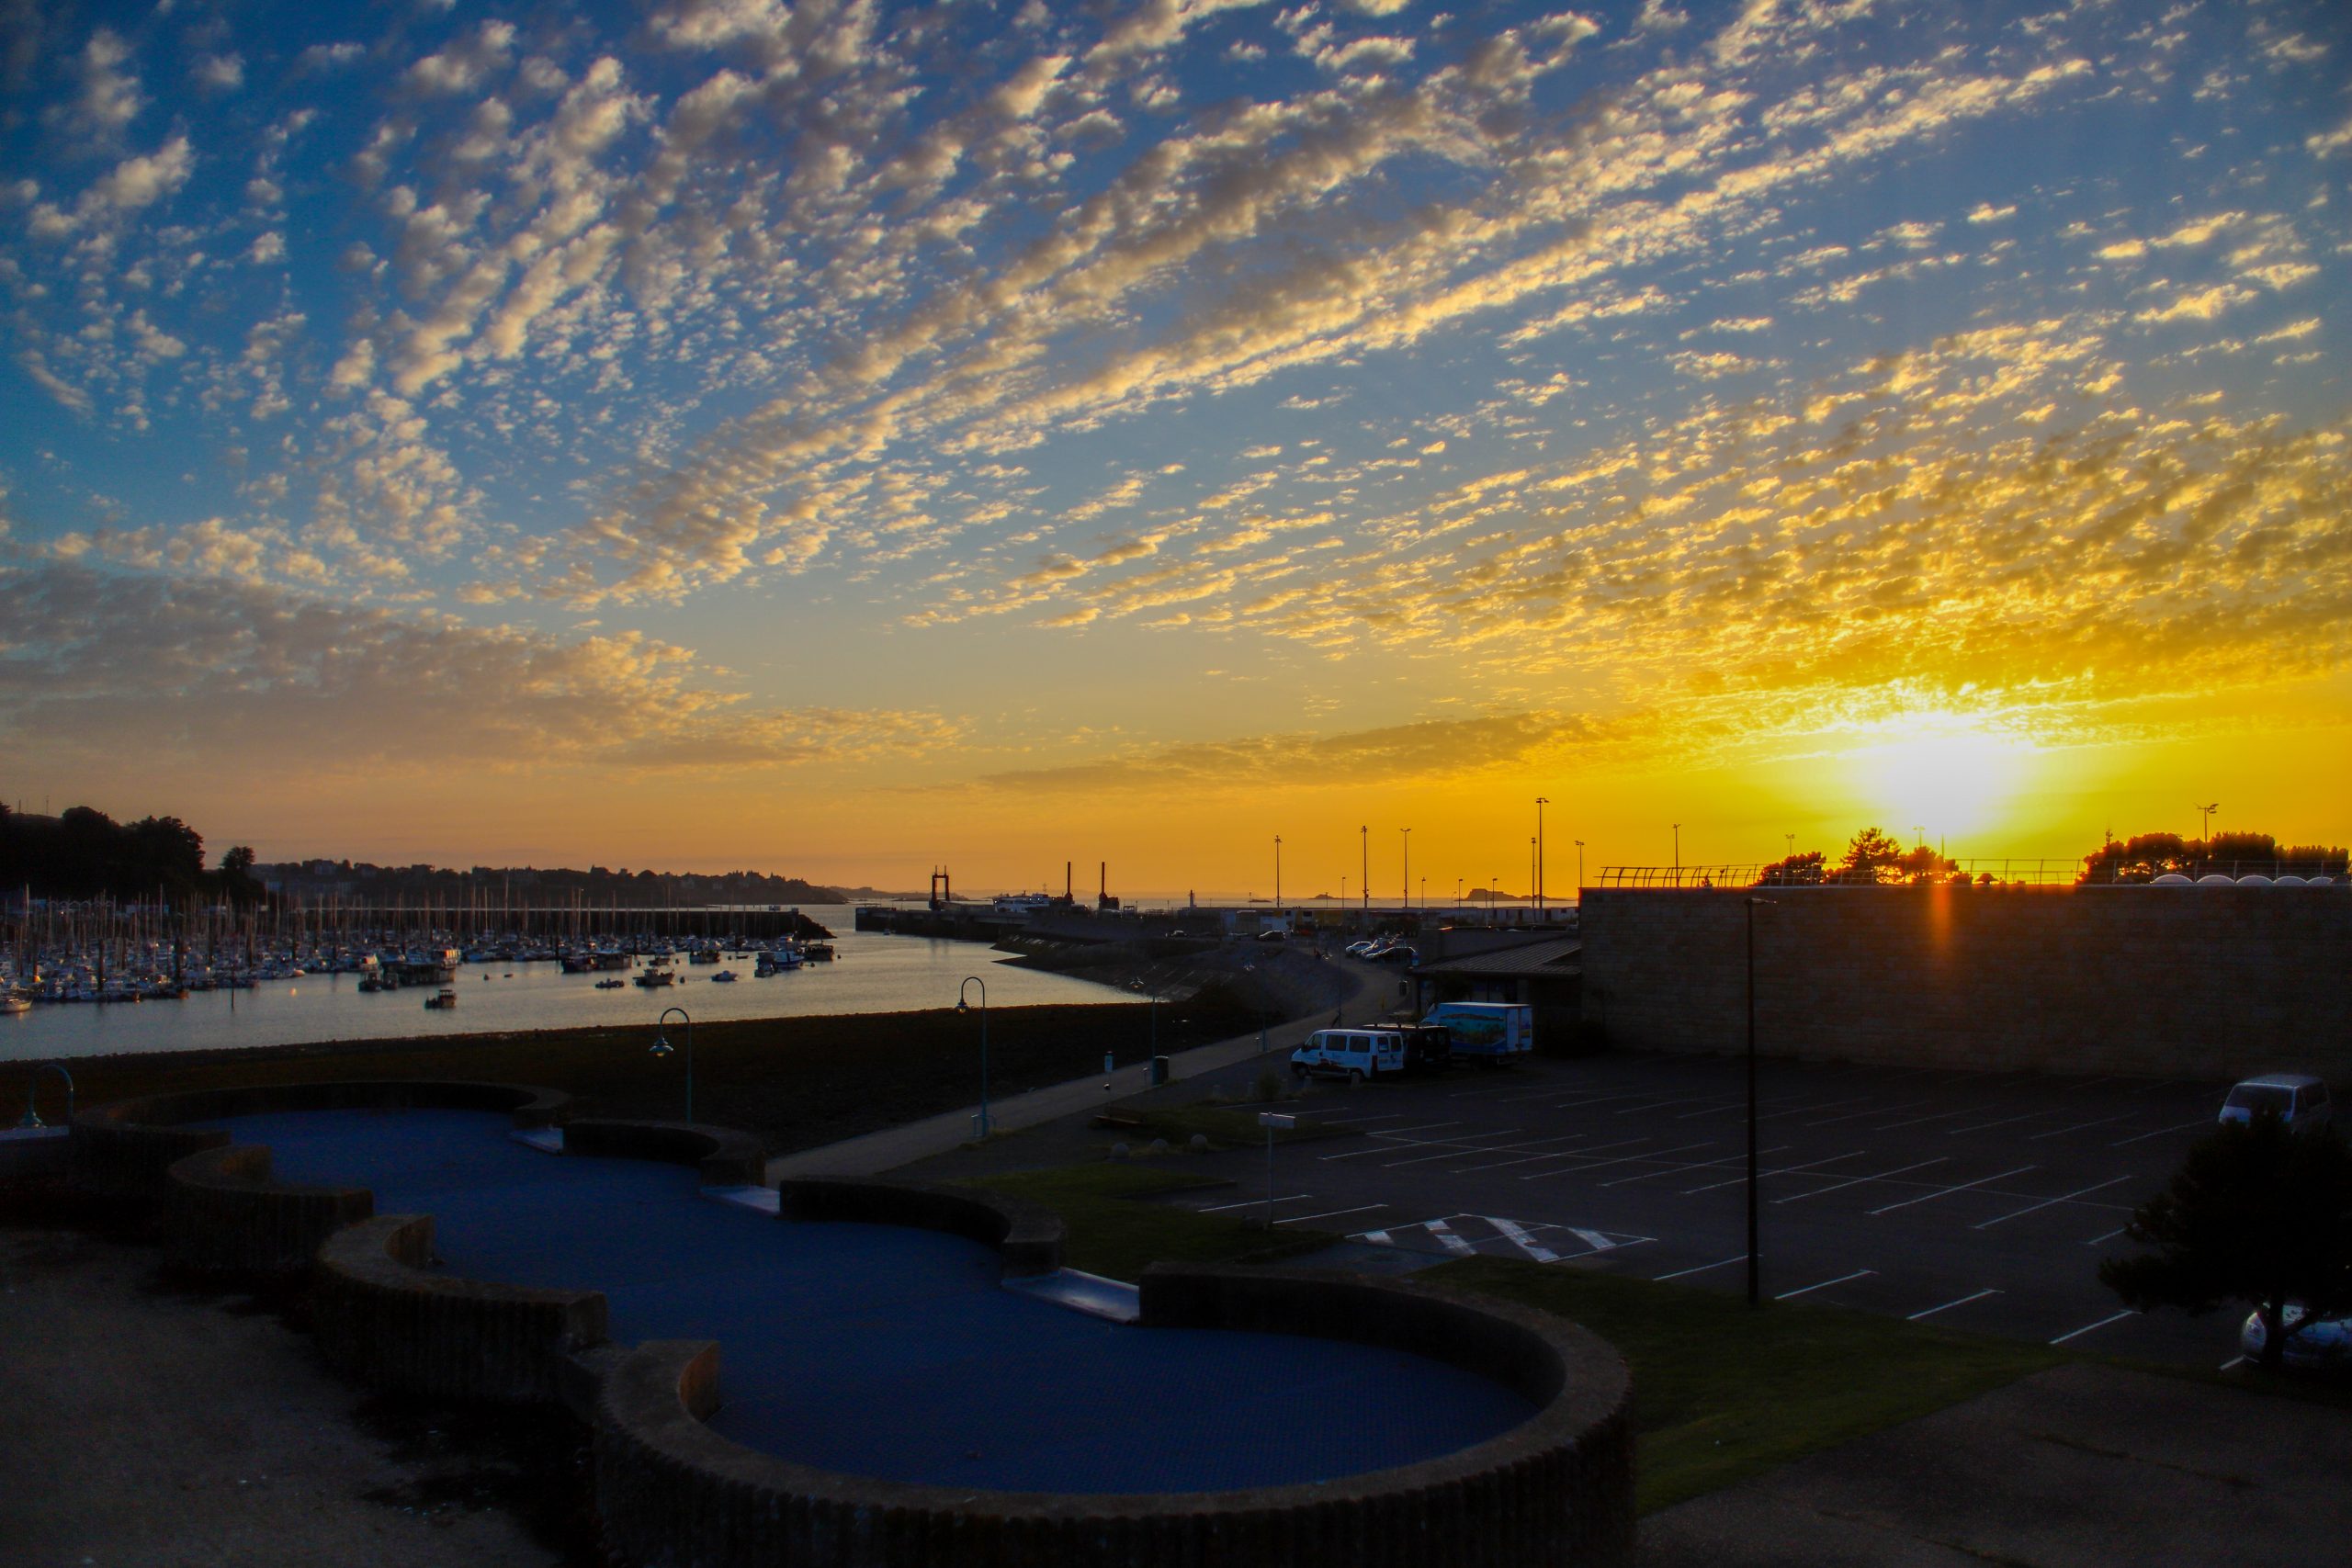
(896, 1146)
(1980, 1200)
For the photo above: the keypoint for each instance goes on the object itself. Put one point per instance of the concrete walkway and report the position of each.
(894, 1146)
(2083, 1466)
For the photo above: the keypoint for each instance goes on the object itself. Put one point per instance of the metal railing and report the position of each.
(1981, 871)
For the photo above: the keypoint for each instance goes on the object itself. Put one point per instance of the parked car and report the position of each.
(2325, 1346)
(2297, 1099)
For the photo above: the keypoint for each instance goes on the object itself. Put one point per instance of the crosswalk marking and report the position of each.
(1464, 1235)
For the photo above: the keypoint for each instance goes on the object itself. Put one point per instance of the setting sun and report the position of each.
(1948, 775)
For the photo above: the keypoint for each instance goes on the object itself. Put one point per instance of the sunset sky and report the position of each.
(838, 439)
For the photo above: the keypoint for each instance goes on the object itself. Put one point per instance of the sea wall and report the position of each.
(2172, 982)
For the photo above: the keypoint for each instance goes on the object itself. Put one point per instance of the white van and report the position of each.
(2297, 1099)
(1352, 1054)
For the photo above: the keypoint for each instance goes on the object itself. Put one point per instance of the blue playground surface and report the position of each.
(887, 1351)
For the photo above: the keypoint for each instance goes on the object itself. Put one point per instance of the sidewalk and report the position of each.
(894, 1146)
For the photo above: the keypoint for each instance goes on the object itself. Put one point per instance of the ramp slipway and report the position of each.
(891, 1352)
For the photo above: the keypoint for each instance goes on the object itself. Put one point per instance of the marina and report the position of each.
(272, 1005)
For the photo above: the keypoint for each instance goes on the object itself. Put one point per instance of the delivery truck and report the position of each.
(1487, 1031)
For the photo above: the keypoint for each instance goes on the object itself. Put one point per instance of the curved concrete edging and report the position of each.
(1556, 1489)
(726, 1156)
(127, 1148)
(225, 1214)
(383, 1316)
(1027, 1236)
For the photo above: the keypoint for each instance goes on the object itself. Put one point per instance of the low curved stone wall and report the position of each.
(225, 1214)
(727, 1158)
(1027, 1236)
(1557, 1489)
(383, 1317)
(125, 1149)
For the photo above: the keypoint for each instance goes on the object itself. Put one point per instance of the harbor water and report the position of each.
(872, 974)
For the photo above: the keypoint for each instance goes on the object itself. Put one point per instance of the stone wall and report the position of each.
(2172, 982)
(224, 1213)
(1028, 1237)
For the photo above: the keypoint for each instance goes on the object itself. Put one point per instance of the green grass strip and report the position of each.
(1721, 1393)
(1113, 1235)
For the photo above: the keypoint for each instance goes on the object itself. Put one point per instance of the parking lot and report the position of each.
(1976, 1200)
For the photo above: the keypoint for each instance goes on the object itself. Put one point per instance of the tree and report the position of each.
(236, 875)
(1800, 869)
(2258, 1214)
(1872, 856)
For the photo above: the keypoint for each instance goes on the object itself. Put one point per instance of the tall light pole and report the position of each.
(1580, 875)
(1678, 854)
(963, 991)
(1457, 897)
(1405, 893)
(1533, 855)
(1364, 837)
(662, 1047)
(1755, 1267)
(1791, 837)
(1541, 802)
(1278, 874)
(2208, 812)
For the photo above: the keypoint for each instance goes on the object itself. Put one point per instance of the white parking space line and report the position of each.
(1328, 1214)
(2102, 1323)
(1939, 1116)
(1960, 1187)
(1777, 1104)
(2060, 1132)
(1858, 1180)
(1702, 1267)
(1518, 1238)
(2006, 1122)
(1256, 1203)
(1562, 1154)
(2098, 1187)
(2108, 1236)
(2232, 1361)
(2163, 1132)
(1621, 1159)
(1949, 1305)
(1416, 1127)
(1662, 1104)
(1455, 1148)
(1328, 1120)
(1447, 1239)
(1690, 1165)
(1824, 1284)
(1781, 1171)
(2160, 1083)
(1854, 1115)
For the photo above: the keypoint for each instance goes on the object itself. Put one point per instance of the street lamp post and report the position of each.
(1363, 840)
(1405, 893)
(1678, 854)
(963, 1005)
(1278, 874)
(1755, 1267)
(1541, 802)
(1580, 875)
(662, 1047)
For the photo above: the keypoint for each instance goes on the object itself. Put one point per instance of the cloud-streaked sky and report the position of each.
(840, 438)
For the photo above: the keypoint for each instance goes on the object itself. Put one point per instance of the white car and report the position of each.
(1352, 1054)
(2296, 1098)
(2325, 1346)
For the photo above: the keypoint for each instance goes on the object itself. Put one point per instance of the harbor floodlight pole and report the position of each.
(2208, 812)
(1363, 836)
(963, 1005)
(1678, 854)
(662, 1047)
(1791, 837)
(1541, 802)
(1755, 1271)
(1405, 894)
(1580, 875)
(1278, 874)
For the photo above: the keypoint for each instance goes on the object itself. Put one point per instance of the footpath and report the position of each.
(895, 1146)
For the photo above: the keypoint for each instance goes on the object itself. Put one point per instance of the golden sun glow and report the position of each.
(1948, 774)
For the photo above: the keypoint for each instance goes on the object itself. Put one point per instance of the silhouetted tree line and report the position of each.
(1873, 855)
(84, 853)
(538, 887)
(2151, 855)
